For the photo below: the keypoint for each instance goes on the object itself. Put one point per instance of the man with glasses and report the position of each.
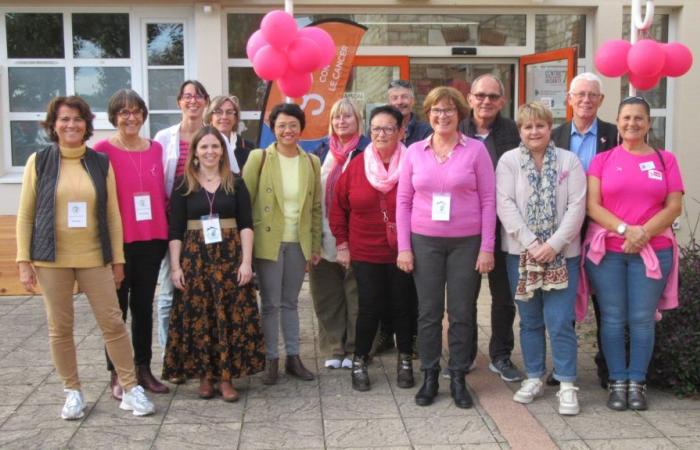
(499, 134)
(402, 97)
(586, 135)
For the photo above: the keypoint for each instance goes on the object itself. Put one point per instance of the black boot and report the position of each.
(617, 395)
(404, 371)
(429, 389)
(458, 389)
(360, 377)
(637, 395)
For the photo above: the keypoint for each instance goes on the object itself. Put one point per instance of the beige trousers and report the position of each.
(98, 285)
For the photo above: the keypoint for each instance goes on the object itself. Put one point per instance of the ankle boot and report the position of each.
(114, 385)
(148, 381)
(429, 389)
(206, 388)
(617, 395)
(404, 371)
(458, 389)
(637, 395)
(271, 371)
(360, 377)
(294, 367)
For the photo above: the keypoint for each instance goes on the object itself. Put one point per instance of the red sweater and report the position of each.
(355, 216)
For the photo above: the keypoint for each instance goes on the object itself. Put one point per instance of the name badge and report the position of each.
(656, 175)
(77, 214)
(142, 206)
(211, 228)
(649, 165)
(441, 207)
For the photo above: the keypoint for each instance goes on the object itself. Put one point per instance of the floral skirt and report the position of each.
(214, 326)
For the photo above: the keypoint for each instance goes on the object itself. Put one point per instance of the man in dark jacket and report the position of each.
(400, 95)
(499, 134)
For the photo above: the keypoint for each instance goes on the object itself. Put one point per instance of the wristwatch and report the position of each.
(621, 229)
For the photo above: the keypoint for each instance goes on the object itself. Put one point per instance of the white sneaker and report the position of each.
(333, 363)
(568, 401)
(529, 390)
(135, 400)
(347, 363)
(74, 407)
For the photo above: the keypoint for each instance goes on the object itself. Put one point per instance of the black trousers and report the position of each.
(380, 287)
(136, 294)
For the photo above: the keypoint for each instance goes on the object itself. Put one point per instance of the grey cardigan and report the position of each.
(513, 191)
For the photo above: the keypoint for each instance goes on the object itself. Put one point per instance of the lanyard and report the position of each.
(210, 200)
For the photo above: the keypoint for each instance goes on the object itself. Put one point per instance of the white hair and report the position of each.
(586, 76)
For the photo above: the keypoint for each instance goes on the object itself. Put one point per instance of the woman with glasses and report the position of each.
(138, 169)
(285, 190)
(446, 217)
(192, 99)
(224, 114)
(635, 193)
(363, 221)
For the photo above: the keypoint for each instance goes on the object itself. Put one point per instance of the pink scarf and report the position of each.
(340, 154)
(378, 176)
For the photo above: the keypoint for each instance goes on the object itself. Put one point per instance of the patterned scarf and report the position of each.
(340, 154)
(542, 221)
(378, 176)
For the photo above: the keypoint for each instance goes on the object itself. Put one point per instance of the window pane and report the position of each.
(555, 31)
(163, 86)
(31, 88)
(244, 84)
(162, 121)
(101, 35)
(659, 28)
(240, 27)
(657, 135)
(27, 136)
(252, 130)
(97, 84)
(165, 45)
(659, 31)
(34, 35)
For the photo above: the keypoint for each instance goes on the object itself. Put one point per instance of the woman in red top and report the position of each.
(363, 221)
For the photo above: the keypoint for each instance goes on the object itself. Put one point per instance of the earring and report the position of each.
(196, 162)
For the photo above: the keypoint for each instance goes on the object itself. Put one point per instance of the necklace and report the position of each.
(130, 148)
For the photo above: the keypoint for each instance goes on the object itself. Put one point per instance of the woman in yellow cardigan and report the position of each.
(285, 190)
(68, 230)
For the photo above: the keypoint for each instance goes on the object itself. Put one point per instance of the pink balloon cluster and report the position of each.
(645, 62)
(279, 52)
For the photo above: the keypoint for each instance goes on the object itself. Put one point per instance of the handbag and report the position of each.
(391, 234)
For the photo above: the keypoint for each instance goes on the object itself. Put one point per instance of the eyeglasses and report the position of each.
(635, 99)
(400, 84)
(125, 113)
(482, 96)
(582, 95)
(447, 112)
(189, 97)
(225, 112)
(388, 131)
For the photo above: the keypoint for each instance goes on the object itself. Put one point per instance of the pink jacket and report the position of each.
(595, 238)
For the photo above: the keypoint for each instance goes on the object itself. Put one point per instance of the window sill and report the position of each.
(11, 178)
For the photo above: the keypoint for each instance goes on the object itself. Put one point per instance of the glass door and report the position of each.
(370, 78)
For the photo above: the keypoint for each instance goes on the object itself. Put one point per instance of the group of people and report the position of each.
(394, 226)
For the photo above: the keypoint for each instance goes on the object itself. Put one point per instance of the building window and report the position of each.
(555, 31)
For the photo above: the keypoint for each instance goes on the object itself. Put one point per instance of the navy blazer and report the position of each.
(607, 136)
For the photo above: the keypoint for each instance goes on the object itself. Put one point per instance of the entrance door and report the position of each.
(370, 78)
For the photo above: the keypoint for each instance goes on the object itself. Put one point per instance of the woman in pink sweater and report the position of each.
(446, 220)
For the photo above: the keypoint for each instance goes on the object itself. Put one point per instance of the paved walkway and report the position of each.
(325, 413)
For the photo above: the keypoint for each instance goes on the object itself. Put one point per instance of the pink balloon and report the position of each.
(270, 63)
(278, 28)
(323, 40)
(256, 41)
(646, 58)
(611, 58)
(304, 55)
(644, 83)
(679, 59)
(295, 84)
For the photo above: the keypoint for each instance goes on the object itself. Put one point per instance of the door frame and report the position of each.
(570, 54)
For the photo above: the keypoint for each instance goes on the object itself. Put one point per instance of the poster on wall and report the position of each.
(547, 83)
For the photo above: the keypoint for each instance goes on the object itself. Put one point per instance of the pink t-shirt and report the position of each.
(137, 173)
(467, 176)
(182, 159)
(635, 187)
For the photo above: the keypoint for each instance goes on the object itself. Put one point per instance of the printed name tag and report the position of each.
(441, 207)
(211, 228)
(649, 165)
(77, 214)
(655, 175)
(142, 206)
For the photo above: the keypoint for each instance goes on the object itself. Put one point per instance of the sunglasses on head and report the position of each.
(400, 84)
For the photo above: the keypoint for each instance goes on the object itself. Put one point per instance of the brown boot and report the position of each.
(271, 371)
(206, 388)
(295, 368)
(114, 385)
(228, 392)
(149, 382)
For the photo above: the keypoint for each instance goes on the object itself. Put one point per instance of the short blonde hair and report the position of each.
(533, 111)
(450, 93)
(216, 103)
(343, 106)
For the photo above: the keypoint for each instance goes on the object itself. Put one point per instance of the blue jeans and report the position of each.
(165, 300)
(551, 310)
(626, 296)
